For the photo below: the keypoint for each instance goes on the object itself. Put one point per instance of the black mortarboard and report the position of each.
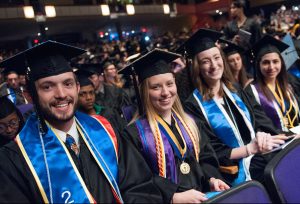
(201, 40)
(152, 63)
(230, 47)
(89, 69)
(49, 58)
(83, 79)
(268, 44)
(46, 59)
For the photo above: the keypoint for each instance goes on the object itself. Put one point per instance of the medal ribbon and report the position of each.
(285, 114)
(163, 126)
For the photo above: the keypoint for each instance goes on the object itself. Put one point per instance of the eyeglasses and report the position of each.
(13, 123)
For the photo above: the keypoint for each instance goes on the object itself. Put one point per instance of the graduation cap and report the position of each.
(152, 63)
(268, 44)
(46, 59)
(49, 58)
(89, 69)
(83, 78)
(290, 54)
(230, 47)
(201, 40)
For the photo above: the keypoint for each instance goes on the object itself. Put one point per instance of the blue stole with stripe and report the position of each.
(12, 95)
(57, 177)
(224, 128)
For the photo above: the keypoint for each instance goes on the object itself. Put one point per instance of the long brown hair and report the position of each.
(281, 79)
(200, 83)
(243, 78)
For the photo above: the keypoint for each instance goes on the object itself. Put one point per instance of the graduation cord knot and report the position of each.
(70, 142)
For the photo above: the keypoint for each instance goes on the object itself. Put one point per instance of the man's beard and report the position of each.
(52, 117)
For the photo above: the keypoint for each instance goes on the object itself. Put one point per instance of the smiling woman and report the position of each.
(272, 89)
(233, 121)
(168, 138)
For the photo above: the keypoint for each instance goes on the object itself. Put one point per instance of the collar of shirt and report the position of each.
(73, 132)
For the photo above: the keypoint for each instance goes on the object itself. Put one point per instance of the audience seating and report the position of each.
(282, 175)
(247, 192)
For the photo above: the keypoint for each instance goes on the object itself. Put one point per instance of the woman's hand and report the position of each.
(266, 142)
(217, 185)
(190, 196)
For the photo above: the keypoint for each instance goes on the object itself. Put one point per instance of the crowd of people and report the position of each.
(177, 120)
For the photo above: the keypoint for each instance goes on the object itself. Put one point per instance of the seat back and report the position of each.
(282, 174)
(247, 192)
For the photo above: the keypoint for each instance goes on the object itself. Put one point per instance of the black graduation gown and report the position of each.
(113, 117)
(199, 175)
(113, 97)
(295, 82)
(250, 25)
(18, 185)
(260, 122)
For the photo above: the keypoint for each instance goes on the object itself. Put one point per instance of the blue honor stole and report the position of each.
(54, 171)
(224, 128)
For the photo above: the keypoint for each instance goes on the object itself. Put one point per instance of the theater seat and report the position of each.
(282, 175)
(247, 192)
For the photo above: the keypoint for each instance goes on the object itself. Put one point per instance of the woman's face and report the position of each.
(211, 65)
(162, 92)
(110, 71)
(9, 126)
(235, 62)
(270, 66)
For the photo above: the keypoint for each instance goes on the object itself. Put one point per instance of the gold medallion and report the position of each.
(185, 168)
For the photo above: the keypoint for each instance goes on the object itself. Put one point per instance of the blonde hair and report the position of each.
(200, 83)
(150, 113)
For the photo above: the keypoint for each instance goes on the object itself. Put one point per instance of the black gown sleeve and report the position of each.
(166, 187)
(135, 178)
(17, 185)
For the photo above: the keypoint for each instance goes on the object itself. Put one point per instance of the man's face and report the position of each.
(12, 80)
(22, 80)
(58, 96)
(86, 97)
